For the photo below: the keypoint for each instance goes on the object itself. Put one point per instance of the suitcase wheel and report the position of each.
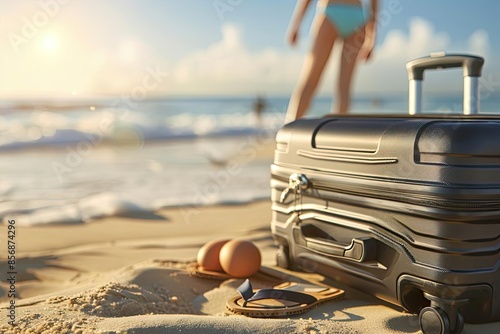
(433, 320)
(283, 257)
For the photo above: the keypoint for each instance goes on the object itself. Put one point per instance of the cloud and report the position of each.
(228, 67)
(479, 42)
(121, 67)
(421, 40)
(387, 73)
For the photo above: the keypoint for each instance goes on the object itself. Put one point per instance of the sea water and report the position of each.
(74, 160)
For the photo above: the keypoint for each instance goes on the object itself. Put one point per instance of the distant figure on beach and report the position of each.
(334, 20)
(376, 102)
(258, 107)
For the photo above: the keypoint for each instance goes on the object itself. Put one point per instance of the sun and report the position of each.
(51, 44)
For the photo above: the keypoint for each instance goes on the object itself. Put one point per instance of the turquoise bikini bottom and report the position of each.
(346, 18)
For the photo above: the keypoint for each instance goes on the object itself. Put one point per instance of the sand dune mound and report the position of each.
(117, 300)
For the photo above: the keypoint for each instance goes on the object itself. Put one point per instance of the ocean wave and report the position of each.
(54, 130)
(108, 204)
(82, 211)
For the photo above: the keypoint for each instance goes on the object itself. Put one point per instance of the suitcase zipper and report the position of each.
(297, 183)
(410, 198)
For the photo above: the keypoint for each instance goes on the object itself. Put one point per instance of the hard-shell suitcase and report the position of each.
(403, 207)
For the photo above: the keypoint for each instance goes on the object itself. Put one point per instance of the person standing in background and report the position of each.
(258, 107)
(334, 20)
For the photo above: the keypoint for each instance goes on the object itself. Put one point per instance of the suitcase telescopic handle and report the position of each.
(471, 65)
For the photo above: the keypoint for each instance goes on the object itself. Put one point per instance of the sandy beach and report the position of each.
(128, 275)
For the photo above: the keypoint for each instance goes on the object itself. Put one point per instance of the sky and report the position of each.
(222, 47)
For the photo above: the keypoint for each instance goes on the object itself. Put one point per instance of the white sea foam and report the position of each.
(84, 210)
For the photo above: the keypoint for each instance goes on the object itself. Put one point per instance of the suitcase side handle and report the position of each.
(471, 65)
(359, 250)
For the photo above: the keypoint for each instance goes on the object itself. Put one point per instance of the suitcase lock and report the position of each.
(297, 183)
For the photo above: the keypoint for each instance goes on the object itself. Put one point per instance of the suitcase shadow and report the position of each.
(352, 310)
(360, 306)
(356, 305)
(404, 324)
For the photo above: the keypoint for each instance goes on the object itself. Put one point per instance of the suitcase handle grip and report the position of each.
(359, 250)
(472, 66)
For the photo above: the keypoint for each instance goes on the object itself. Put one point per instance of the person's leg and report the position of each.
(324, 37)
(349, 59)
